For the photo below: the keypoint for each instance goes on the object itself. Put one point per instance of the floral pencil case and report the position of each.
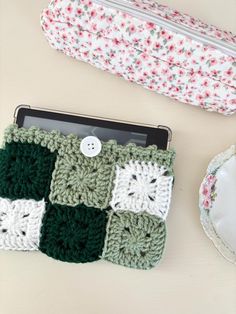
(81, 200)
(144, 42)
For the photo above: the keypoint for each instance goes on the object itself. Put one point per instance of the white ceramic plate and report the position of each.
(218, 203)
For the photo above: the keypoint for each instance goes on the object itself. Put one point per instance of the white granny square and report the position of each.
(20, 223)
(142, 186)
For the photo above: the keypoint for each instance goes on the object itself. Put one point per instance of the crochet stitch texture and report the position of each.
(111, 206)
(73, 234)
(81, 180)
(20, 223)
(25, 171)
(141, 186)
(134, 240)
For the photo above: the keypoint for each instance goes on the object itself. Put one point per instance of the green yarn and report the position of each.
(73, 234)
(82, 180)
(25, 171)
(78, 179)
(37, 164)
(134, 240)
(33, 135)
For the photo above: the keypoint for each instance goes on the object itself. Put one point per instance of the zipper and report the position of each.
(225, 47)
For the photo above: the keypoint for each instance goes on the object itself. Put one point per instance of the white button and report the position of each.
(90, 146)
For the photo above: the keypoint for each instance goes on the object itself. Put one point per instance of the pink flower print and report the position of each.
(102, 17)
(163, 33)
(64, 36)
(109, 19)
(79, 11)
(214, 72)
(150, 26)
(170, 59)
(93, 13)
(202, 58)
(86, 2)
(206, 203)
(69, 9)
(176, 89)
(138, 62)
(170, 78)
(181, 72)
(205, 83)
(144, 56)
(213, 61)
(148, 41)
(94, 27)
(199, 72)
(211, 180)
(229, 72)
(165, 71)
(122, 25)
(171, 48)
(216, 85)
(132, 29)
(46, 26)
(157, 46)
(206, 191)
(154, 72)
(199, 97)
(180, 51)
(116, 42)
(169, 37)
(207, 94)
(188, 53)
(141, 80)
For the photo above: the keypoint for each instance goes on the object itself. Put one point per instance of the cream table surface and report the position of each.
(193, 277)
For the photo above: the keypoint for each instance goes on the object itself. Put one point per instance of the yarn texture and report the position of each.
(25, 171)
(81, 180)
(73, 234)
(134, 240)
(20, 223)
(141, 186)
(81, 209)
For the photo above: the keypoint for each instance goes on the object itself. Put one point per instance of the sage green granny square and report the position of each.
(78, 179)
(134, 240)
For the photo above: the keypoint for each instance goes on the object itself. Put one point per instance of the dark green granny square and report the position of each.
(73, 234)
(25, 171)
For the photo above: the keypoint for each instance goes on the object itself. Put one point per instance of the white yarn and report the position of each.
(141, 186)
(20, 223)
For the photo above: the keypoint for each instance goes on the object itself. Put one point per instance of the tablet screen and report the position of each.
(122, 137)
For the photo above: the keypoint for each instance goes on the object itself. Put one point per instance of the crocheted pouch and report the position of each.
(150, 44)
(80, 209)
(217, 203)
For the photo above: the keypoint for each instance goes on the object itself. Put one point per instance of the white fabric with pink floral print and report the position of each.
(158, 58)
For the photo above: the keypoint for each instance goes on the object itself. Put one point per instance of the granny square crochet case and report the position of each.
(75, 208)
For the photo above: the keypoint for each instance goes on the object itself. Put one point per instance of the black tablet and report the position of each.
(82, 126)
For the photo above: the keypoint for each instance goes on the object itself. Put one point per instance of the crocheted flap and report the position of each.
(217, 203)
(81, 202)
